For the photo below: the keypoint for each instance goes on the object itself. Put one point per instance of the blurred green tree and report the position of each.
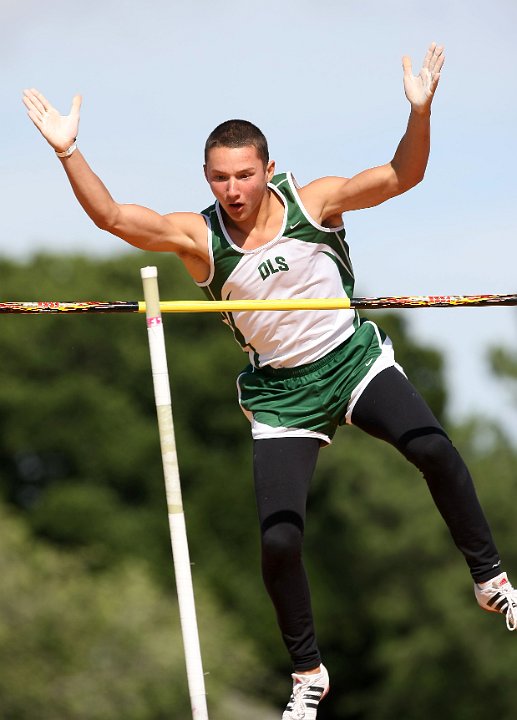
(97, 647)
(80, 461)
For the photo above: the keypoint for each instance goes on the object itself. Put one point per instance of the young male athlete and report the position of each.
(309, 372)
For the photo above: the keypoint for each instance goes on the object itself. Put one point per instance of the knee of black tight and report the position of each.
(281, 544)
(432, 453)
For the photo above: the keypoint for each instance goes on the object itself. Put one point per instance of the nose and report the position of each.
(232, 189)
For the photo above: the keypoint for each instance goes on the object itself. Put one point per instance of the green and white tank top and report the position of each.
(305, 260)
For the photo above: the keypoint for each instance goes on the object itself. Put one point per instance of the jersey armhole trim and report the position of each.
(294, 187)
(210, 254)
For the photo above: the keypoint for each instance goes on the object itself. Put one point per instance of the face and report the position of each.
(238, 179)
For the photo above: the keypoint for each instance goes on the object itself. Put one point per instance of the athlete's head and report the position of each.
(238, 134)
(238, 168)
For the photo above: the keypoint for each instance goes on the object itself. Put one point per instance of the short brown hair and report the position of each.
(238, 133)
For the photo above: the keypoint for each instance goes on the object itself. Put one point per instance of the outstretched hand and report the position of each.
(420, 89)
(60, 131)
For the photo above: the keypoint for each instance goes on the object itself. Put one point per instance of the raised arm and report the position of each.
(328, 197)
(183, 233)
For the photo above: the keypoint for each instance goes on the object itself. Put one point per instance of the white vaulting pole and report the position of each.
(180, 552)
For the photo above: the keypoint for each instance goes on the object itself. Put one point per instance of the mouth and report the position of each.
(235, 207)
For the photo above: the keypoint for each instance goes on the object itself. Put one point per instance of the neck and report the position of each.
(265, 224)
(258, 220)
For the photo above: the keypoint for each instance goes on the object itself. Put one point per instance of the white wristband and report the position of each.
(68, 151)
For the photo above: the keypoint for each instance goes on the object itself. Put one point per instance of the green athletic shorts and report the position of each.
(314, 399)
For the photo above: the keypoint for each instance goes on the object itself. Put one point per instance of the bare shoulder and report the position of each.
(189, 225)
(188, 234)
(319, 196)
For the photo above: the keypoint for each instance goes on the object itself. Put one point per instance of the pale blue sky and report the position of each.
(323, 80)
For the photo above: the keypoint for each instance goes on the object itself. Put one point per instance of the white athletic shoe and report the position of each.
(308, 691)
(498, 595)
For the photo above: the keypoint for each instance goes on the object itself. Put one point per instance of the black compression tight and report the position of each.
(392, 410)
(283, 470)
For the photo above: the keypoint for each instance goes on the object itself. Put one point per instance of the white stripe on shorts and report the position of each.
(385, 360)
(260, 431)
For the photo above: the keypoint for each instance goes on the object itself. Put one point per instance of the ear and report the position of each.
(205, 172)
(270, 170)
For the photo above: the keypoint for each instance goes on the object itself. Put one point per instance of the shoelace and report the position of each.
(298, 705)
(297, 701)
(298, 708)
(511, 614)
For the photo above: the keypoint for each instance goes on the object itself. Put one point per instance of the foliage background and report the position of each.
(88, 616)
